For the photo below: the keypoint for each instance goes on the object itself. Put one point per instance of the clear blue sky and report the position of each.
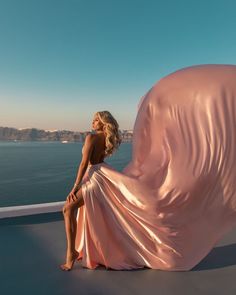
(63, 60)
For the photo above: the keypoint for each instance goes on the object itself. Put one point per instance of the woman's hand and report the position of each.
(72, 194)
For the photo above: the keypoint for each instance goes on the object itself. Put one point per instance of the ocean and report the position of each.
(40, 172)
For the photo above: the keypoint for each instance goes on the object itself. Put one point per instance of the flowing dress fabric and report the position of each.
(177, 196)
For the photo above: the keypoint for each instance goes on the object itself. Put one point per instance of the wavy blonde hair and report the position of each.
(111, 130)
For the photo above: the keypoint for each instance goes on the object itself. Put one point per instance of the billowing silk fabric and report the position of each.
(177, 196)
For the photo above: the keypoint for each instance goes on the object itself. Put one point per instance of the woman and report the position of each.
(177, 196)
(96, 147)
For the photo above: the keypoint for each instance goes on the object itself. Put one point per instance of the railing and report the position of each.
(14, 211)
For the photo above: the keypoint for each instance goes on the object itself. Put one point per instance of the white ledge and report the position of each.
(14, 211)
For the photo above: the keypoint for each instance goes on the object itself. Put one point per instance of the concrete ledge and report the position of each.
(24, 210)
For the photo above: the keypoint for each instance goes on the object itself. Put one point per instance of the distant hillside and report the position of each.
(33, 134)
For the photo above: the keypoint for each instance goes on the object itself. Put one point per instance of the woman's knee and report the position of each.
(67, 209)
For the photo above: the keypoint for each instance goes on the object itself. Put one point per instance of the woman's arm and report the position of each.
(87, 151)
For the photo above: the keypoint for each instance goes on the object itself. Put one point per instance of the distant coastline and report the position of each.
(34, 134)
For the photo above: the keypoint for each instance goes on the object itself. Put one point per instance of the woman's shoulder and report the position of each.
(92, 137)
(89, 135)
(89, 138)
(95, 135)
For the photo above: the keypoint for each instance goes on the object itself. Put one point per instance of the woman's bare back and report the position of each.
(98, 153)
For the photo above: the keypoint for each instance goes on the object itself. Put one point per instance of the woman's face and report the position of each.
(97, 124)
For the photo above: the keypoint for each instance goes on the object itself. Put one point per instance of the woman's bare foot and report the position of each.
(70, 259)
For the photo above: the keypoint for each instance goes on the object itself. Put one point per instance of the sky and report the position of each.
(63, 60)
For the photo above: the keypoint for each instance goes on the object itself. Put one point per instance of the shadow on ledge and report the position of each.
(219, 257)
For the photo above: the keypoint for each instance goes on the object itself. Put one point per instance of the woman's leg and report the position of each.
(69, 210)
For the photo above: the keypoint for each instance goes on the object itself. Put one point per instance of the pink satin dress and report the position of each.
(177, 197)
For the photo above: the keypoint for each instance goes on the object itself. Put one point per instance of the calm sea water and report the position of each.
(41, 172)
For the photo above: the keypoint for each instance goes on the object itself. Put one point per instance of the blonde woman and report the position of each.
(176, 198)
(97, 146)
